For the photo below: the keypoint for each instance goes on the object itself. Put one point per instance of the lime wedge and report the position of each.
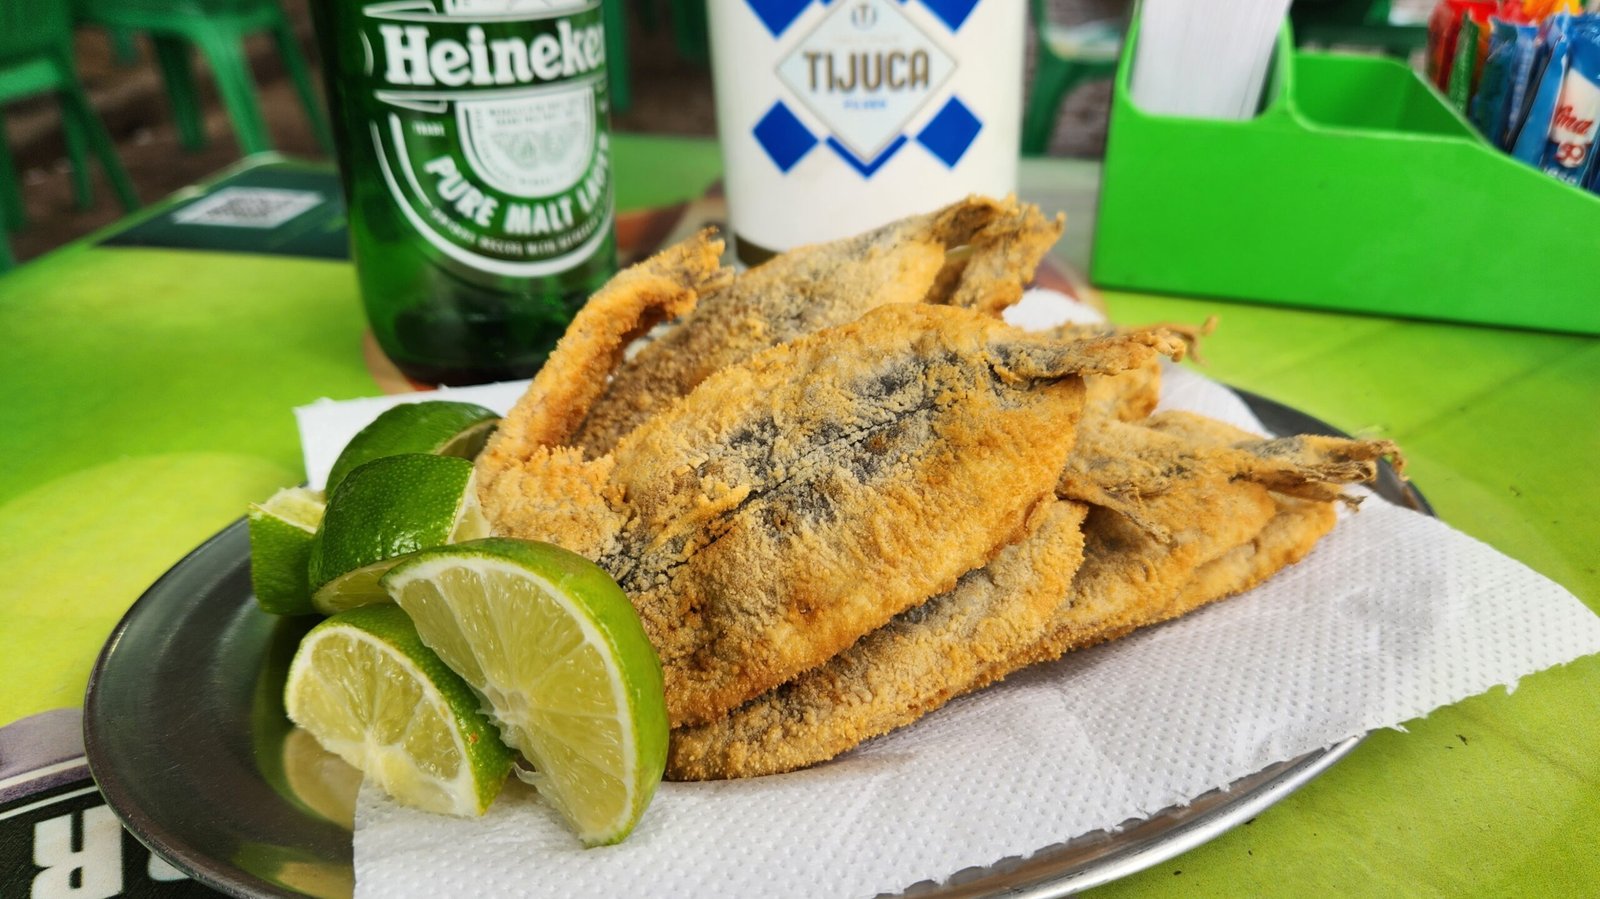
(382, 511)
(558, 653)
(367, 689)
(436, 427)
(281, 531)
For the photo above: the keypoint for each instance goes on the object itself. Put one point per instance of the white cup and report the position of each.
(836, 117)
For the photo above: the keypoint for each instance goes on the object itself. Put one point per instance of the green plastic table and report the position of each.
(148, 396)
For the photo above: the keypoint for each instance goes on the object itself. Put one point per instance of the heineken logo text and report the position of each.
(525, 219)
(414, 58)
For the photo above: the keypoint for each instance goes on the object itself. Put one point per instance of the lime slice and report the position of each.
(555, 648)
(281, 531)
(382, 511)
(363, 684)
(436, 427)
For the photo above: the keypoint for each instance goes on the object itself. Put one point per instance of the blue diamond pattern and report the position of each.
(778, 15)
(785, 138)
(953, 12)
(951, 132)
(867, 167)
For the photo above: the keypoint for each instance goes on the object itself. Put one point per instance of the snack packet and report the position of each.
(1520, 84)
(1569, 149)
(1503, 84)
(1472, 45)
(1444, 25)
(1550, 69)
(1534, 11)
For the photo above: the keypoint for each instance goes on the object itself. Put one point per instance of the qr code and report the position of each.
(248, 207)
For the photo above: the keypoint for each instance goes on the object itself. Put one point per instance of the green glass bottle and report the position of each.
(474, 145)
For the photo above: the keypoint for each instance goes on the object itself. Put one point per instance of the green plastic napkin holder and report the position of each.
(1358, 188)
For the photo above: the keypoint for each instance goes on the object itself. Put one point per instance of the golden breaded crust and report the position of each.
(825, 285)
(916, 663)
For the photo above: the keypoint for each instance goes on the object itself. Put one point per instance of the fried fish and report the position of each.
(784, 507)
(1205, 527)
(574, 378)
(1177, 501)
(815, 287)
(899, 672)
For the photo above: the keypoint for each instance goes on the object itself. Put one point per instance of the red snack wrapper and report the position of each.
(1444, 25)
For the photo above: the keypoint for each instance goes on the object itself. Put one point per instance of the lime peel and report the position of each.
(382, 512)
(439, 427)
(281, 533)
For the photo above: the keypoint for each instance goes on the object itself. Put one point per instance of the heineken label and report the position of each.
(489, 125)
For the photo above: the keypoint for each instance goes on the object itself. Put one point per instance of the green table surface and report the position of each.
(148, 397)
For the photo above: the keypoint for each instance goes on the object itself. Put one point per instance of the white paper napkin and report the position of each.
(1392, 615)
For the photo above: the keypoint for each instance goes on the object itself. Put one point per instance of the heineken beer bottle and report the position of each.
(473, 141)
(840, 115)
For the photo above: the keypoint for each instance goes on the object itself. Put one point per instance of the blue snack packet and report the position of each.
(1568, 150)
(1504, 83)
(1520, 79)
(1533, 131)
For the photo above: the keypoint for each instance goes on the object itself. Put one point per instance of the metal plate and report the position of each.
(184, 730)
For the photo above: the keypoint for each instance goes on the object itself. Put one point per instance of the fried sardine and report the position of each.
(574, 378)
(784, 507)
(899, 672)
(1188, 510)
(811, 288)
(1203, 526)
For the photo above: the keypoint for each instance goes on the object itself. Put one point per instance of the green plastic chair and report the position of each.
(1363, 23)
(691, 30)
(218, 29)
(124, 47)
(1065, 56)
(36, 58)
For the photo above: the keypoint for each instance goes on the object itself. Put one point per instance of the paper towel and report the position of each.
(327, 425)
(1392, 615)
